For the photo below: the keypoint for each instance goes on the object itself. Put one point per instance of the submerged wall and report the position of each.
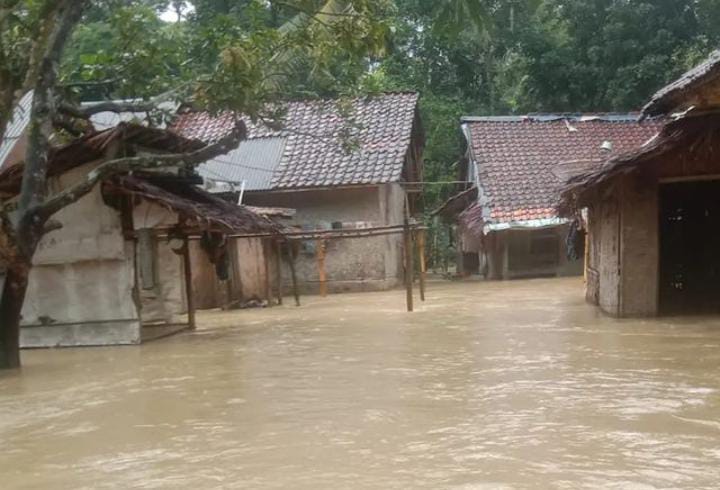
(515, 254)
(358, 264)
(80, 290)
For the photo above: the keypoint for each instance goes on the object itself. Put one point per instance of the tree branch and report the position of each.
(109, 106)
(125, 165)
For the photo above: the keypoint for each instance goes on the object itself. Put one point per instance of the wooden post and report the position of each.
(409, 272)
(291, 262)
(267, 250)
(278, 271)
(320, 246)
(188, 285)
(420, 236)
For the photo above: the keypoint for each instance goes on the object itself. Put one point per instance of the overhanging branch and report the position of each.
(129, 164)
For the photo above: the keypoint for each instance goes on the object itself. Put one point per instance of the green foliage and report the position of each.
(227, 55)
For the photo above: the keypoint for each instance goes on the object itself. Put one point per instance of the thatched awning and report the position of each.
(198, 210)
(689, 136)
(695, 87)
(95, 146)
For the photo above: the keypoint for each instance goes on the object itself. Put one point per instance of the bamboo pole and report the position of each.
(321, 267)
(266, 259)
(293, 273)
(188, 285)
(409, 272)
(420, 242)
(278, 271)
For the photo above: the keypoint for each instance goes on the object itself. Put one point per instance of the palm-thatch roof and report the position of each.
(691, 89)
(197, 209)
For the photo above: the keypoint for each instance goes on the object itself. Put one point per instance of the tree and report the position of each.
(243, 76)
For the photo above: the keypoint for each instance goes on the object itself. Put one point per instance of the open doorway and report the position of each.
(690, 247)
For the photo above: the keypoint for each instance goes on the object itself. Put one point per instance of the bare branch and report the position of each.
(124, 165)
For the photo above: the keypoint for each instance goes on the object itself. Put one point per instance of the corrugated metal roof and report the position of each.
(253, 162)
(107, 120)
(16, 126)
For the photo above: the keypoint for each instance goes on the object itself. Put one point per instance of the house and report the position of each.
(507, 223)
(654, 213)
(340, 165)
(116, 272)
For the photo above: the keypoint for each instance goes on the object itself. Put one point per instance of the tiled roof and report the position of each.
(517, 158)
(381, 128)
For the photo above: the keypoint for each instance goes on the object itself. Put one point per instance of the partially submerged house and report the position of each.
(507, 223)
(341, 165)
(654, 213)
(117, 270)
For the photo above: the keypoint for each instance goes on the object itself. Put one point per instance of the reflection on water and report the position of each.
(508, 385)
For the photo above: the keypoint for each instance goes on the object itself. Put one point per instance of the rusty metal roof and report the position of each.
(517, 158)
(381, 128)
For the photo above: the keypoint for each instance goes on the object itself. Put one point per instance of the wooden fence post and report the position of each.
(320, 246)
(188, 285)
(409, 272)
(293, 273)
(421, 258)
(278, 271)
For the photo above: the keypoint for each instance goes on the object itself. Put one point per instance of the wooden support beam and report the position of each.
(267, 250)
(320, 247)
(188, 285)
(278, 271)
(409, 272)
(293, 273)
(420, 242)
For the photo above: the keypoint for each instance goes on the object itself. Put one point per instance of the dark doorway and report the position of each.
(690, 248)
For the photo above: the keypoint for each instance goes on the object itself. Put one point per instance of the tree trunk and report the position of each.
(11, 303)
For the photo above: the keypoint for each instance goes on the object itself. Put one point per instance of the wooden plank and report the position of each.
(188, 285)
(420, 235)
(321, 267)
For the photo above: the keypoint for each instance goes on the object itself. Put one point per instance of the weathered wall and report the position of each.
(351, 264)
(639, 247)
(80, 290)
(248, 276)
(204, 279)
(165, 302)
(593, 243)
(608, 226)
(510, 256)
(250, 266)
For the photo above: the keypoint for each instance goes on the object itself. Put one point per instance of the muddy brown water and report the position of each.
(506, 385)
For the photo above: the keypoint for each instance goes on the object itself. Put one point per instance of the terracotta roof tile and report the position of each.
(516, 157)
(314, 156)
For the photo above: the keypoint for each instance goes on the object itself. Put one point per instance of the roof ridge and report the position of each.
(632, 116)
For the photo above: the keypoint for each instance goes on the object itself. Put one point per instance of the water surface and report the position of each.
(504, 385)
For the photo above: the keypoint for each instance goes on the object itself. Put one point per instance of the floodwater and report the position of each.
(505, 385)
